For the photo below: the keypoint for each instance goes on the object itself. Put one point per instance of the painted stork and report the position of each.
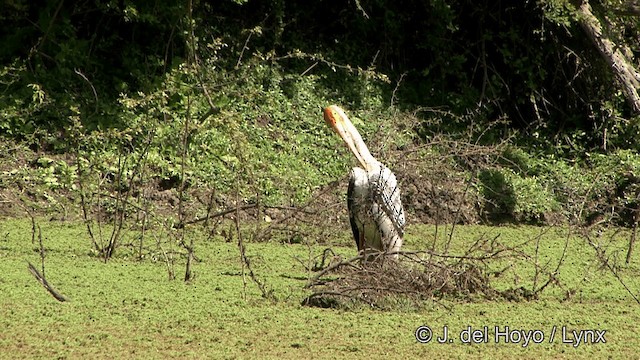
(373, 198)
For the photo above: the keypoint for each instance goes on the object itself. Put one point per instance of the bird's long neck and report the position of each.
(367, 160)
(339, 121)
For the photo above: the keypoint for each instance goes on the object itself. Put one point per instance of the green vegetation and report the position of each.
(126, 308)
(188, 96)
(149, 140)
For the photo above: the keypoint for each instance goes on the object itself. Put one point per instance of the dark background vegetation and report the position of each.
(488, 111)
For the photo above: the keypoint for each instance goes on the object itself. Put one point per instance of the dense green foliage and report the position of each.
(526, 63)
(227, 94)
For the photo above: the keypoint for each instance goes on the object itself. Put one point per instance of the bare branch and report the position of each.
(45, 283)
(620, 65)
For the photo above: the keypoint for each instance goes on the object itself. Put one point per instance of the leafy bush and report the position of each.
(509, 196)
(224, 98)
(524, 187)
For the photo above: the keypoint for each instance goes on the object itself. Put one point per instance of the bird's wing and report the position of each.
(387, 194)
(355, 179)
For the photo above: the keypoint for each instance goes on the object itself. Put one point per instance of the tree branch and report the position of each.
(624, 71)
(45, 283)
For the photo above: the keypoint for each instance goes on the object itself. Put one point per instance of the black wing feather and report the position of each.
(352, 211)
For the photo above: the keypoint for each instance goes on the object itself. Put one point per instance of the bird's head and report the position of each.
(340, 123)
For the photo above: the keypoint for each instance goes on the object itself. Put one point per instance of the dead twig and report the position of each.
(332, 267)
(45, 283)
(601, 256)
(218, 214)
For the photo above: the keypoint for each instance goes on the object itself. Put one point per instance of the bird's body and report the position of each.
(373, 198)
(375, 211)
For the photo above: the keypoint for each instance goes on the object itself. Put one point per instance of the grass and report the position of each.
(129, 309)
